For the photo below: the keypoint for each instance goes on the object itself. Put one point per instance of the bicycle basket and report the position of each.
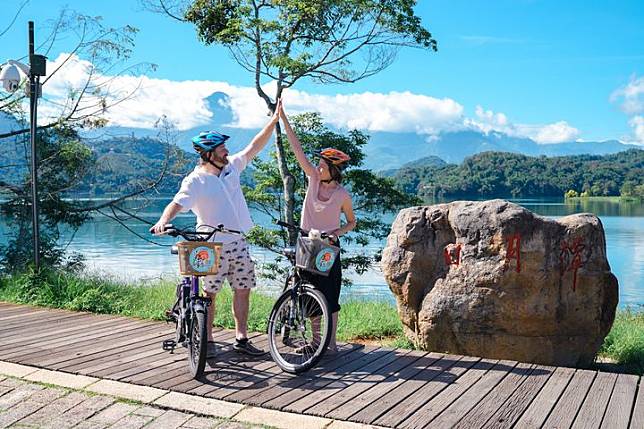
(198, 258)
(315, 255)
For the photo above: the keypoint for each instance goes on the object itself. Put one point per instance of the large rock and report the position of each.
(493, 279)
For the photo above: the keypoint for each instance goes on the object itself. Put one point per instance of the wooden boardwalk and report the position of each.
(364, 384)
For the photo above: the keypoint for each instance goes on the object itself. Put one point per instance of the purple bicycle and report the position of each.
(198, 256)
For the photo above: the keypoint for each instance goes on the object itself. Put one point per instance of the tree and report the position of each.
(372, 195)
(105, 49)
(64, 159)
(328, 41)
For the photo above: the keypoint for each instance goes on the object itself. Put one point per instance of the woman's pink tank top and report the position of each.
(322, 215)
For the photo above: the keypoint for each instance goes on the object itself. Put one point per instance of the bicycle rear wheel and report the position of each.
(198, 344)
(299, 329)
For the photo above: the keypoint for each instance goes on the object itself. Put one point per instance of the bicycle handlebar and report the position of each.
(194, 235)
(298, 229)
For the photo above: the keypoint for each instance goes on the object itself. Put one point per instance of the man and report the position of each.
(213, 192)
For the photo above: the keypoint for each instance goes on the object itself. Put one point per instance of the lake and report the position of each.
(110, 248)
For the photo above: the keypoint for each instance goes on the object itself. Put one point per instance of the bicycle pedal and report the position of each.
(169, 345)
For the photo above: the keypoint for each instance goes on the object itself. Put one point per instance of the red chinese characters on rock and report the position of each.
(513, 252)
(452, 254)
(570, 258)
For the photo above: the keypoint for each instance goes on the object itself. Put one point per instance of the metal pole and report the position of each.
(33, 105)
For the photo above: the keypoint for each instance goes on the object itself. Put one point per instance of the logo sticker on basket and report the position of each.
(325, 259)
(202, 259)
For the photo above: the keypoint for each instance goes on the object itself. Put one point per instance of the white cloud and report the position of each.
(487, 121)
(631, 96)
(393, 111)
(631, 99)
(556, 133)
(637, 123)
(185, 104)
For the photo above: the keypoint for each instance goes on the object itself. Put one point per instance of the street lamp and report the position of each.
(11, 75)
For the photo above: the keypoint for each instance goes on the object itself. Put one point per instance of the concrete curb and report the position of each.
(175, 400)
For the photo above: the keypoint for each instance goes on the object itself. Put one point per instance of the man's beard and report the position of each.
(218, 159)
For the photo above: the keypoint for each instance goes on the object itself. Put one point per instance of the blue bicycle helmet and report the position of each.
(208, 140)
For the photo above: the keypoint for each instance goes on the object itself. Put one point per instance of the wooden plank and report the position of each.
(376, 393)
(619, 408)
(479, 403)
(329, 406)
(159, 374)
(13, 316)
(258, 377)
(512, 408)
(91, 357)
(232, 360)
(113, 356)
(26, 335)
(9, 329)
(130, 367)
(594, 406)
(138, 371)
(637, 418)
(565, 410)
(377, 400)
(11, 313)
(541, 406)
(115, 352)
(320, 390)
(35, 340)
(63, 347)
(439, 376)
(282, 381)
(447, 396)
(243, 373)
(478, 415)
(292, 390)
(106, 337)
(265, 376)
(49, 356)
(48, 346)
(20, 313)
(123, 371)
(43, 319)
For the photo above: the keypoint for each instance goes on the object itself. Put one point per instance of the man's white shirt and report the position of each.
(217, 199)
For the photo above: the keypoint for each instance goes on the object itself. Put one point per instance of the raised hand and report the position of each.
(276, 113)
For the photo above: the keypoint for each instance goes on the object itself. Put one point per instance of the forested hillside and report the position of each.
(502, 174)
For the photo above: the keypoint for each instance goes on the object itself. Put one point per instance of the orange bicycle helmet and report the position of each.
(334, 156)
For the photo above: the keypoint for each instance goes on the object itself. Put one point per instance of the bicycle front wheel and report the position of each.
(198, 345)
(299, 329)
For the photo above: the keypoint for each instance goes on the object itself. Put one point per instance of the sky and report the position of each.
(550, 70)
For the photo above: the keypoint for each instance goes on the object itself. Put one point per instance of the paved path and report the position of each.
(368, 386)
(26, 404)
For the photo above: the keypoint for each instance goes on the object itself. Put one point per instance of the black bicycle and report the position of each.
(299, 326)
(197, 257)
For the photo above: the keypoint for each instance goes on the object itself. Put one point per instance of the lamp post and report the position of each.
(11, 76)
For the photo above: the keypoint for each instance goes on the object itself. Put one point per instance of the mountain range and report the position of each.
(386, 150)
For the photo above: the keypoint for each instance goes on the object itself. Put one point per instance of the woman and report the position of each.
(324, 203)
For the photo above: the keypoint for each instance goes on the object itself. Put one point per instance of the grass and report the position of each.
(624, 343)
(359, 321)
